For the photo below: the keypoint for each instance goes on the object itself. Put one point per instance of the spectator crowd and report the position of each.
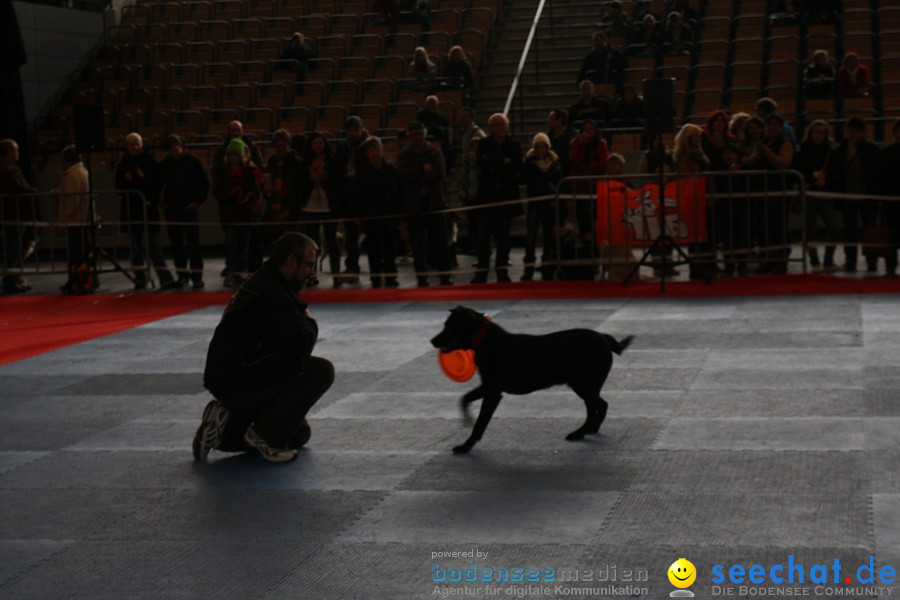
(348, 194)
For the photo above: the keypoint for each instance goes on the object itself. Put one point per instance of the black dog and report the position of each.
(520, 364)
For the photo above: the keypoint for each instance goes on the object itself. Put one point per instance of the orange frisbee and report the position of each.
(458, 365)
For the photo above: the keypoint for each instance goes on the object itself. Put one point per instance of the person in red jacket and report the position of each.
(853, 78)
(588, 155)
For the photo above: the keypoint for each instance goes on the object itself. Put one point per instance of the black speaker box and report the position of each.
(659, 105)
(90, 133)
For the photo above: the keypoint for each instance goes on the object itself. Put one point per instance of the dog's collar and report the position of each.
(479, 335)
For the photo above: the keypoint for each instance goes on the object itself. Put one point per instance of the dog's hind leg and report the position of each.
(488, 406)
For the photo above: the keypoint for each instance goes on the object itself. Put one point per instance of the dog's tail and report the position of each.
(617, 346)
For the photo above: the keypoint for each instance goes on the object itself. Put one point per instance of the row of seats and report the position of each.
(156, 11)
(257, 95)
(744, 54)
(142, 31)
(247, 71)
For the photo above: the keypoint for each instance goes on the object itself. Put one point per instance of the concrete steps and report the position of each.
(562, 39)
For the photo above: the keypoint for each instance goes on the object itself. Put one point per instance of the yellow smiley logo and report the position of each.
(682, 573)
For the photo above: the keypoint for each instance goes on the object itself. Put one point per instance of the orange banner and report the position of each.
(628, 216)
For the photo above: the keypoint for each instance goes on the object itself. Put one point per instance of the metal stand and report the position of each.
(94, 250)
(663, 242)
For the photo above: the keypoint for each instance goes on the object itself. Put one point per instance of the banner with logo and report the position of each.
(628, 216)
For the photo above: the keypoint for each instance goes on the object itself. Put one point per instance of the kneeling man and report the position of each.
(260, 367)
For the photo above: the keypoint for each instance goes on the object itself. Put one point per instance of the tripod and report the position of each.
(94, 250)
(664, 242)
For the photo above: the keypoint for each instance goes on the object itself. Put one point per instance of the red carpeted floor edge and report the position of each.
(32, 325)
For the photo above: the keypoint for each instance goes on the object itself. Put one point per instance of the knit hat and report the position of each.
(353, 121)
(541, 138)
(237, 146)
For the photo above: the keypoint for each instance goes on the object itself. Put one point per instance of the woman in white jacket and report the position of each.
(73, 194)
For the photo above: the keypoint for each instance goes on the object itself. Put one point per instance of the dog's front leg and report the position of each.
(469, 398)
(488, 406)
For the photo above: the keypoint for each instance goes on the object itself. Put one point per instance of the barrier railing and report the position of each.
(600, 226)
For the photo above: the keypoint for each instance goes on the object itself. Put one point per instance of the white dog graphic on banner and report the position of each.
(644, 219)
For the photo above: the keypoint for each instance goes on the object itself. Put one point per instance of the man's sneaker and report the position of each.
(209, 435)
(267, 452)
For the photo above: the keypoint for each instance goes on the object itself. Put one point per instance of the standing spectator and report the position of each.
(260, 366)
(766, 106)
(852, 169)
(716, 138)
(283, 176)
(138, 176)
(690, 160)
(819, 76)
(421, 169)
(561, 136)
(776, 154)
(689, 154)
(628, 110)
(15, 210)
(751, 140)
(423, 71)
(185, 188)
(541, 172)
(888, 159)
(737, 126)
(588, 106)
(587, 156)
(656, 157)
(732, 213)
(322, 184)
(74, 213)
(238, 190)
(812, 162)
(235, 132)
(604, 63)
(853, 78)
(466, 136)
(499, 158)
(347, 160)
(467, 128)
(588, 151)
(615, 21)
(750, 149)
(437, 126)
(377, 195)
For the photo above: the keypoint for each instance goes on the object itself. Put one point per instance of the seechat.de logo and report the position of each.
(682, 574)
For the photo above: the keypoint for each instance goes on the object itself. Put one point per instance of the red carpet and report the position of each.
(32, 325)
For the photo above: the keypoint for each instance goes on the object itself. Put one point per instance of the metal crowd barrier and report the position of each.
(749, 217)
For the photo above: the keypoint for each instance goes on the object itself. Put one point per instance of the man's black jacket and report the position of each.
(263, 338)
